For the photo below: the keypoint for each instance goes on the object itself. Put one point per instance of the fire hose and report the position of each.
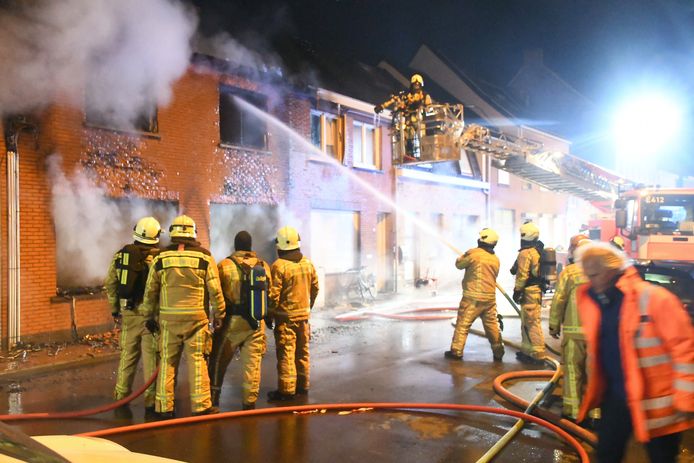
(81, 413)
(347, 406)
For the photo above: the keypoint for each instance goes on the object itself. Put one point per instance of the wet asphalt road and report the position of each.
(372, 360)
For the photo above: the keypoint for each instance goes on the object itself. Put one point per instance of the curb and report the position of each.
(24, 373)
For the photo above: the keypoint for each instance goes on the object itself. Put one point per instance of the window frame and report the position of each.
(375, 145)
(258, 100)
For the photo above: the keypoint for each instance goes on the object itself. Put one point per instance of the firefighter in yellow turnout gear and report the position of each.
(481, 267)
(564, 321)
(125, 286)
(182, 280)
(411, 105)
(292, 295)
(527, 292)
(237, 333)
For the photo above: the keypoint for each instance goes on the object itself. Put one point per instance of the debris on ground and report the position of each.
(29, 354)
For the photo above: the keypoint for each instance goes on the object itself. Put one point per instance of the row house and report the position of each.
(240, 149)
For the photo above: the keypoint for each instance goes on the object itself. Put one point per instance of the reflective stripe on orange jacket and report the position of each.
(656, 340)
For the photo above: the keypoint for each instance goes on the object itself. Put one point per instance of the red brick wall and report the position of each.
(184, 162)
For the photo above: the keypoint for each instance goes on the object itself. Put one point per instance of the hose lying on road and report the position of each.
(81, 413)
(348, 406)
(563, 423)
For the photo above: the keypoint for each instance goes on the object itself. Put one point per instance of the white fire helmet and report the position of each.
(489, 236)
(529, 232)
(147, 230)
(183, 227)
(417, 79)
(287, 239)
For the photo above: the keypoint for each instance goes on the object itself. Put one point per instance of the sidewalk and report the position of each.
(25, 360)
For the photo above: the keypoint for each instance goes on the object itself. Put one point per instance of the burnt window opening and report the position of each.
(99, 115)
(82, 263)
(239, 126)
(146, 121)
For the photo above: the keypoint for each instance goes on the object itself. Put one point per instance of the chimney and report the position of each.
(532, 57)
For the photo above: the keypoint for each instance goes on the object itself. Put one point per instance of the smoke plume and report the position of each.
(126, 53)
(90, 226)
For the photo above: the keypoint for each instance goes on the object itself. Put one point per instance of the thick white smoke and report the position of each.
(127, 53)
(90, 226)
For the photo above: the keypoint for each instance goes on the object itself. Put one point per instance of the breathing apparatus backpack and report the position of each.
(131, 261)
(253, 303)
(548, 269)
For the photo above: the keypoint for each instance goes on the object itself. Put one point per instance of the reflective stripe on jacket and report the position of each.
(528, 266)
(183, 282)
(481, 269)
(564, 313)
(294, 289)
(656, 340)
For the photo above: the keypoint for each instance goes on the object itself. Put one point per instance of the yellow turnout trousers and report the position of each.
(238, 335)
(531, 327)
(191, 338)
(135, 341)
(468, 312)
(291, 344)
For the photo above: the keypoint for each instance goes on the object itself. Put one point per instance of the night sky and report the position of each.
(602, 48)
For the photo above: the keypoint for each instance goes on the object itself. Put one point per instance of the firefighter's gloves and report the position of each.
(378, 109)
(152, 326)
(517, 296)
(501, 322)
(218, 323)
(554, 332)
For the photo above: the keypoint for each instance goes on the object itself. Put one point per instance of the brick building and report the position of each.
(83, 184)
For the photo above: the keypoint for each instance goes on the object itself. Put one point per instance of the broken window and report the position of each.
(100, 114)
(83, 259)
(239, 123)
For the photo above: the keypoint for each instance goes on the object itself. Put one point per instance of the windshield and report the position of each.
(668, 213)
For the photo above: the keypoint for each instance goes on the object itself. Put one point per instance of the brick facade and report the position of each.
(185, 164)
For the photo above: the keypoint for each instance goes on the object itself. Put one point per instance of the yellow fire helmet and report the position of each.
(529, 232)
(287, 239)
(489, 236)
(147, 230)
(417, 79)
(618, 241)
(183, 227)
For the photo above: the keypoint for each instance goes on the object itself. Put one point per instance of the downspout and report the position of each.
(13, 128)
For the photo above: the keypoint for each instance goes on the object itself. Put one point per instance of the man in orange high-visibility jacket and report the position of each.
(640, 344)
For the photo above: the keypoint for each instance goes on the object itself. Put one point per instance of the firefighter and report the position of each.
(640, 344)
(527, 292)
(563, 317)
(481, 267)
(182, 280)
(238, 332)
(292, 295)
(125, 287)
(411, 105)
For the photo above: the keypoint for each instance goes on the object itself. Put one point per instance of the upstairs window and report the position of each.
(503, 177)
(240, 125)
(327, 134)
(366, 143)
(97, 115)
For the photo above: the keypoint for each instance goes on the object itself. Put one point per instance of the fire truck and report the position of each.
(659, 223)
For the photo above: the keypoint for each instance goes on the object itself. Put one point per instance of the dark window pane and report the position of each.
(239, 126)
(315, 130)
